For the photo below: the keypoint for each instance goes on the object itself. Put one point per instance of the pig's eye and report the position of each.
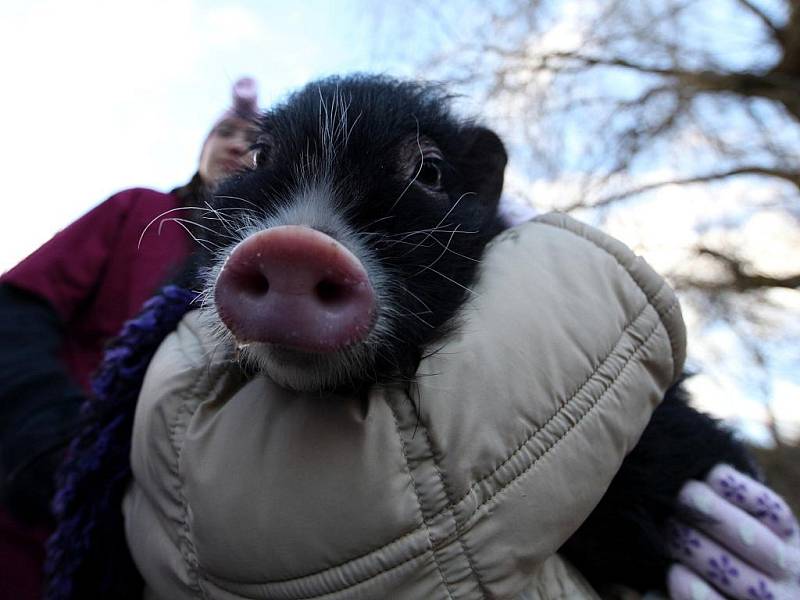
(430, 173)
(261, 153)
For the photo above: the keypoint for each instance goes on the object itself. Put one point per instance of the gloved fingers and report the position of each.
(683, 584)
(756, 499)
(740, 533)
(719, 567)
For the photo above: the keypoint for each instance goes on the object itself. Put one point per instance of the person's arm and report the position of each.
(38, 402)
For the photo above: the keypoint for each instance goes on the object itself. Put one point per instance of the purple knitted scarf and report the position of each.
(87, 556)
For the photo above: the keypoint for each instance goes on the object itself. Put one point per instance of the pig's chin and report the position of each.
(305, 371)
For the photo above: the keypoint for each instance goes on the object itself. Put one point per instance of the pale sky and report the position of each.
(99, 96)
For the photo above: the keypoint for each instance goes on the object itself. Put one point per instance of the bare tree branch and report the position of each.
(785, 174)
(739, 278)
(790, 43)
(779, 84)
(775, 31)
(772, 85)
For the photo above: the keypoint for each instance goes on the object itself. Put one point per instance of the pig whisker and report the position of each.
(418, 299)
(424, 232)
(166, 212)
(455, 204)
(447, 249)
(218, 215)
(195, 224)
(350, 130)
(258, 210)
(451, 280)
(419, 170)
(441, 254)
(430, 235)
(397, 310)
(202, 242)
(432, 230)
(391, 243)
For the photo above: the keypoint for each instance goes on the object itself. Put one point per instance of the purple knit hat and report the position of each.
(245, 101)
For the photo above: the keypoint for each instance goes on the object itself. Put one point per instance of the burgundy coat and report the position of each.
(96, 274)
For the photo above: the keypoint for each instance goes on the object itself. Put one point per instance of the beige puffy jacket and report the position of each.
(244, 490)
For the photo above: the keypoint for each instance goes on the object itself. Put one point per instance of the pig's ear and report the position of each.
(483, 162)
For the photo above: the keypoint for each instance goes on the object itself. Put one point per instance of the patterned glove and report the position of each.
(748, 548)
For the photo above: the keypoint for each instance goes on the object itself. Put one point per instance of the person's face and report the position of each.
(227, 149)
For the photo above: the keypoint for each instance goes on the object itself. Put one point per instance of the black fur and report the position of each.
(623, 540)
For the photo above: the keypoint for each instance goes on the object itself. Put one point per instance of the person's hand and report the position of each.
(748, 548)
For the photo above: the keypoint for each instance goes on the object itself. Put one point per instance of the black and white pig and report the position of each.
(364, 221)
(344, 255)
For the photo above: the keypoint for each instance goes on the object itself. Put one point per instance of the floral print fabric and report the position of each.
(747, 546)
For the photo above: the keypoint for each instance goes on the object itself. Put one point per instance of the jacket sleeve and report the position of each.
(39, 403)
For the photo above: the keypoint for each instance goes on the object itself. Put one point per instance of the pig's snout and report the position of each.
(295, 287)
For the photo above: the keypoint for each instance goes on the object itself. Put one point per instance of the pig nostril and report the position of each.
(255, 284)
(329, 292)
